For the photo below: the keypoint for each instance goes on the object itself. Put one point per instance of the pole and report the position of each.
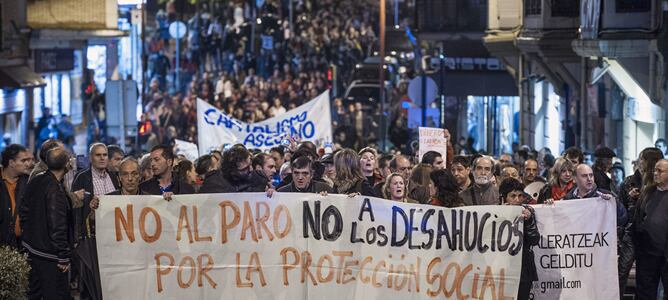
(396, 13)
(382, 74)
(424, 97)
(177, 81)
(291, 16)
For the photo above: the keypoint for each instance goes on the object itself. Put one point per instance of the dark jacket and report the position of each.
(7, 217)
(601, 179)
(631, 182)
(531, 238)
(118, 192)
(546, 193)
(219, 183)
(152, 187)
(622, 216)
(314, 187)
(84, 180)
(362, 186)
(46, 215)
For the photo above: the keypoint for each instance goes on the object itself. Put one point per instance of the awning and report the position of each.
(19, 77)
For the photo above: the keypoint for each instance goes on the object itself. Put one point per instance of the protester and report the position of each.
(46, 220)
(235, 174)
(17, 162)
(530, 174)
(482, 192)
(574, 154)
(368, 164)
(129, 176)
(461, 169)
(264, 168)
(662, 145)
(164, 182)
(46, 147)
(420, 186)
(185, 172)
(116, 155)
(446, 192)
(602, 166)
(586, 188)
(561, 182)
(434, 159)
(395, 189)
(650, 232)
(508, 171)
(511, 192)
(349, 177)
(302, 178)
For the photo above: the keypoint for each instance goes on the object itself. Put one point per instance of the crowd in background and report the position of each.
(254, 82)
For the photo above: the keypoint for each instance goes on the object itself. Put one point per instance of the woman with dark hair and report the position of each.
(420, 186)
(511, 192)
(185, 172)
(349, 177)
(447, 190)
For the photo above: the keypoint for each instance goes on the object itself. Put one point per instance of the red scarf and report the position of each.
(559, 193)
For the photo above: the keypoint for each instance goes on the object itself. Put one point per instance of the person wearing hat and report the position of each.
(602, 166)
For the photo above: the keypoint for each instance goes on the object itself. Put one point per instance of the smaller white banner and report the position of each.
(576, 257)
(433, 139)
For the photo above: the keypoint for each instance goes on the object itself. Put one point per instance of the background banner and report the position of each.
(577, 254)
(311, 121)
(304, 246)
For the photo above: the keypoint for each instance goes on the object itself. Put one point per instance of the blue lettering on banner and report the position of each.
(268, 139)
(222, 120)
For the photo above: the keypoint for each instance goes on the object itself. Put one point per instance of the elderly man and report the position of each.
(650, 229)
(483, 191)
(129, 176)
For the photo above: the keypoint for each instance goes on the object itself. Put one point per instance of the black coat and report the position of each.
(531, 238)
(46, 215)
(84, 180)
(219, 183)
(315, 187)
(602, 180)
(7, 217)
(152, 187)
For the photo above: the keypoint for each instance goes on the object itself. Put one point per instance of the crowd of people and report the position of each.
(220, 64)
(48, 208)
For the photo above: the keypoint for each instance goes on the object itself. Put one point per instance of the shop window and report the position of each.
(628, 6)
(532, 7)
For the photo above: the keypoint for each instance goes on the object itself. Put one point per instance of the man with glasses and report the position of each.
(235, 174)
(302, 178)
(129, 175)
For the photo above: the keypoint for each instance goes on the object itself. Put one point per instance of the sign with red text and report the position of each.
(576, 257)
(432, 139)
(304, 246)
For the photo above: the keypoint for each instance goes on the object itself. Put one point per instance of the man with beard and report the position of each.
(461, 169)
(531, 172)
(235, 174)
(164, 182)
(302, 178)
(482, 192)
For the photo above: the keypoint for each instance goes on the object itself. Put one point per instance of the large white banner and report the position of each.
(577, 254)
(304, 246)
(311, 121)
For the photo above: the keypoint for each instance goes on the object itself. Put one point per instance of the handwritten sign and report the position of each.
(577, 254)
(304, 246)
(310, 122)
(433, 139)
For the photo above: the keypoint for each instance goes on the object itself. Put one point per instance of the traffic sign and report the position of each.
(415, 90)
(177, 30)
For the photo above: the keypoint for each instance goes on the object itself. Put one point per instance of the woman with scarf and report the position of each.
(561, 181)
(349, 178)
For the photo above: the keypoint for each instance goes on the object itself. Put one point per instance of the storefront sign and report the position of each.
(55, 60)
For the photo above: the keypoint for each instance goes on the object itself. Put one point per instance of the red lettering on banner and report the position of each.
(150, 238)
(183, 222)
(224, 225)
(127, 223)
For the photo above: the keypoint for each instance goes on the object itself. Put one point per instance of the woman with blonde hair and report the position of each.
(561, 181)
(395, 189)
(349, 178)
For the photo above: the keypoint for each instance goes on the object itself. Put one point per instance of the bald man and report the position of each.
(650, 231)
(585, 187)
(531, 172)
